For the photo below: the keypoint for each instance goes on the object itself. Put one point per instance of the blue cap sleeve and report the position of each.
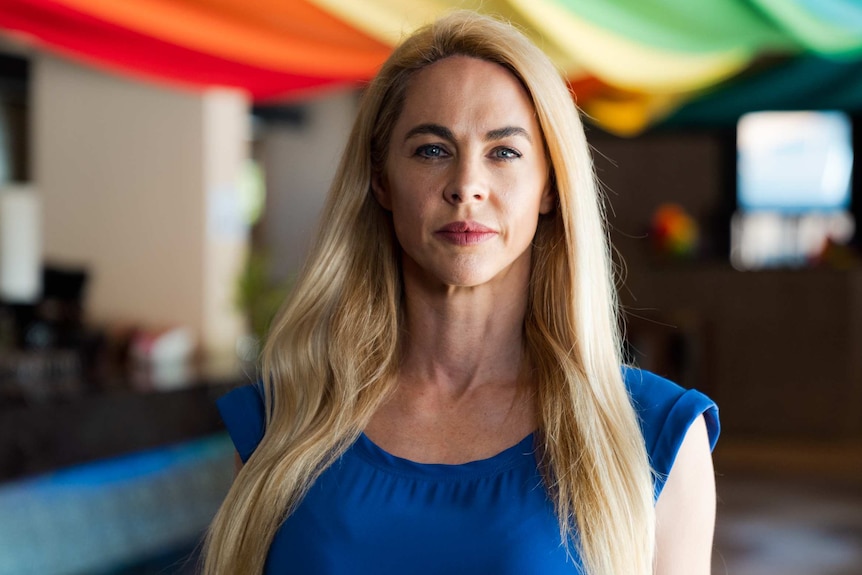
(666, 411)
(243, 414)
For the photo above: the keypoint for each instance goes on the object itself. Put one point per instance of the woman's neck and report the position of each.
(461, 338)
(461, 392)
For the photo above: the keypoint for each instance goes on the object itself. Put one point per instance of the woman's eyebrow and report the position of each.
(506, 132)
(446, 133)
(433, 129)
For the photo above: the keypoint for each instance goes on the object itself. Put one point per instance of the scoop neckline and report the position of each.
(370, 452)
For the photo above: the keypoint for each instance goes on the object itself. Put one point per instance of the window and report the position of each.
(793, 187)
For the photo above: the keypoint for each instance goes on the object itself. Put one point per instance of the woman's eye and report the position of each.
(506, 154)
(430, 151)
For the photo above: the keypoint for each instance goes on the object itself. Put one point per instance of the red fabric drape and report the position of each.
(103, 44)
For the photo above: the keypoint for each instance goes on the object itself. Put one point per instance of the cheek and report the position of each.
(405, 206)
(408, 216)
(524, 211)
(412, 197)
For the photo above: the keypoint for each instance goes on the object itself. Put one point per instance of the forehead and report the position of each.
(462, 92)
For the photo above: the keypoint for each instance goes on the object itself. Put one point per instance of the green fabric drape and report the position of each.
(803, 83)
(685, 25)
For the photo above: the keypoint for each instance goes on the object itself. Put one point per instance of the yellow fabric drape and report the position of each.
(390, 20)
(641, 83)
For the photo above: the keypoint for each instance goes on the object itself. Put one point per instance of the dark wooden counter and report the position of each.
(55, 432)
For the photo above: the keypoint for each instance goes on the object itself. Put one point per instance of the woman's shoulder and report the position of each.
(242, 411)
(665, 411)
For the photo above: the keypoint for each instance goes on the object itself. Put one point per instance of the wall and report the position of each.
(127, 171)
(130, 177)
(779, 350)
(300, 159)
(689, 168)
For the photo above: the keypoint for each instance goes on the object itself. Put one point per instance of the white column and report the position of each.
(226, 144)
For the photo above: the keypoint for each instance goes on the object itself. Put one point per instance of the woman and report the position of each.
(443, 390)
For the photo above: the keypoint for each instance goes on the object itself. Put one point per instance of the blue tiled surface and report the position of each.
(92, 518)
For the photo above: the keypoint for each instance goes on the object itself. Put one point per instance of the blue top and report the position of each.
(372, 513)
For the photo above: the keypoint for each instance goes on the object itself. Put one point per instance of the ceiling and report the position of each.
(632, 63)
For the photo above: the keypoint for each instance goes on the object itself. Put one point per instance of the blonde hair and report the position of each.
(333, 351)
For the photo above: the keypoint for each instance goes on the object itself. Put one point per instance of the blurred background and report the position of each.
(163, 164)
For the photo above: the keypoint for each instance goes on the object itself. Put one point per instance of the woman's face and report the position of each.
(466, 175)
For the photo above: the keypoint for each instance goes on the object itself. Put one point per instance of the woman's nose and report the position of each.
(469, 182)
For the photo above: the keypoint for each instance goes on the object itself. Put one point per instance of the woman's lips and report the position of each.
(465, 233)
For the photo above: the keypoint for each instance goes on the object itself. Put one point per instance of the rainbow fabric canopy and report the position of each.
(631, 63)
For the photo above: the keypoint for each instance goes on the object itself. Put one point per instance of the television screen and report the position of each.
(794, 162)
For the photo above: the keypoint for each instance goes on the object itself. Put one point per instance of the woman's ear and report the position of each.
(549, 197)
(381, 192)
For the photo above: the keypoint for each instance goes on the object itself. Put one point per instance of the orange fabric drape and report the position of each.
(294, 36)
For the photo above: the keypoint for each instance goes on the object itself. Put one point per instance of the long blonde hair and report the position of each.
(333, 351)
